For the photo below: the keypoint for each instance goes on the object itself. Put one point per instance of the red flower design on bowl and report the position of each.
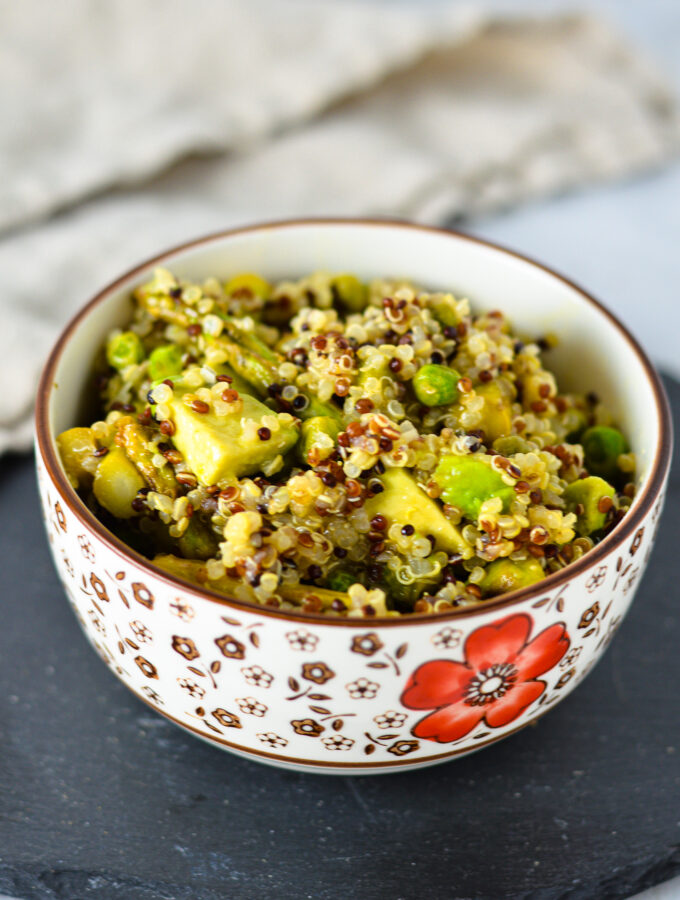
(497, 681)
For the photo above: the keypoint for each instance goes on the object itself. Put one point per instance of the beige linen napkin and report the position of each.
(132, 125)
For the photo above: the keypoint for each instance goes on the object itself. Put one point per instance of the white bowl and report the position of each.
(347, 695)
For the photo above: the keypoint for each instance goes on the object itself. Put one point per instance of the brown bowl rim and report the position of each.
(658, 472)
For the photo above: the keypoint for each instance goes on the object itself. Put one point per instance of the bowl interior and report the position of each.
(593, 353)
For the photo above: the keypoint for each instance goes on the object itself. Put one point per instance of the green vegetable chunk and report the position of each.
(436, 385)
(248, 285)
(467, 482)
(589, 493)
(349, 292)
(77, 447)
(444, 310)
(318, 433)
(116, 483)
(507, 575)
(218, 448)
(164, 362)
(125, 349)
(198, 541)
(602, 446)
(403, 501)
(194, 570)
(341, 579)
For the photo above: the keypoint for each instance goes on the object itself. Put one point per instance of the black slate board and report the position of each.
(101, 798)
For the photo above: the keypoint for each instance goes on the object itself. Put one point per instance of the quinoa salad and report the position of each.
(339, 447)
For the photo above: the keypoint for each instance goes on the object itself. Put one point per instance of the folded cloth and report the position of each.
(133, 125)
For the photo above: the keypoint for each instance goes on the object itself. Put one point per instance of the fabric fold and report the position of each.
(134, 126)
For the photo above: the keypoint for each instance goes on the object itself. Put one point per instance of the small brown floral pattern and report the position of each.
(363, 689)
(193, 690)
(227, 719)
(318, 672)
(571, 657)
(596, 579)
(68, 565)
(61, 518)
(337, 742)
(184, 646)
(257, 676)
(230, 647)
(637, 541)
(367, 644)
(390, 719)
(146, 667)
(307, 727)
(589, 615)
(153, 696)
(141, 632)
(142, 594)
(86, 548)
(302, 640)
(182, 610)
(447, 638)
(631, 580)
(99, 588)
(272, 740)
(97, 622)
(565, 679)
(251, 707)
(401, 748)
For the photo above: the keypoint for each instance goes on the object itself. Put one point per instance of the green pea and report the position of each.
(349, 292)
(164, 362)
(467, 482)
(586, 497)
(124, 349)
(436, 385)
(602, 447)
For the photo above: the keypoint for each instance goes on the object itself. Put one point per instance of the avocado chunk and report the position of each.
(218, 448)
(467, 482)
(505, 575)
(497, 413)
(403, 501)
(116, 483)
(589, 493)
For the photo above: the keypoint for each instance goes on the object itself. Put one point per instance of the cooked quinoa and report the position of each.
(333, 446)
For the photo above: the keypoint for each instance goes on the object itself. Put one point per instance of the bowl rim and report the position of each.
(658, 469)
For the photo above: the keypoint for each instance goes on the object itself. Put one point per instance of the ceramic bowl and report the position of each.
(359, 696)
